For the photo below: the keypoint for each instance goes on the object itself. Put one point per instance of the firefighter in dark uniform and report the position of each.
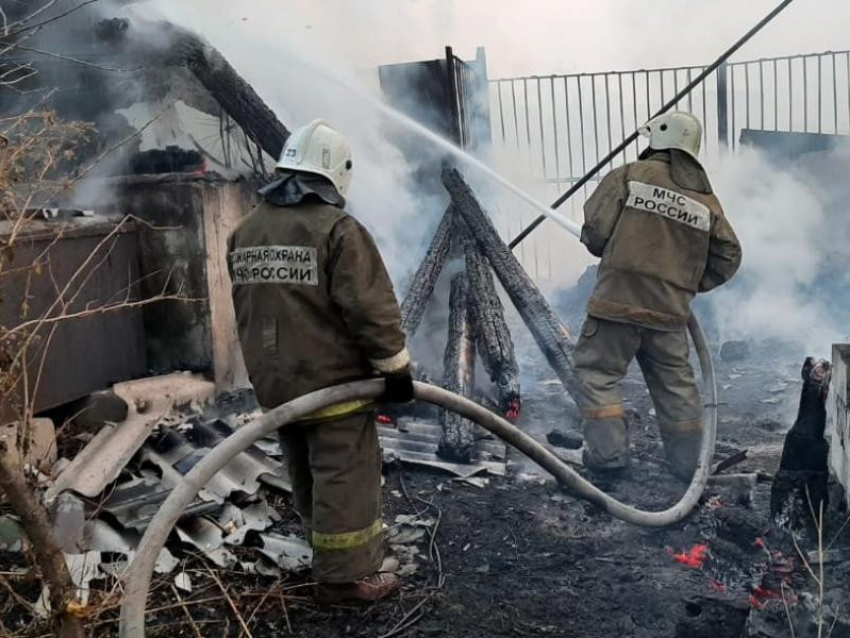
(663, 238)
(315, 307)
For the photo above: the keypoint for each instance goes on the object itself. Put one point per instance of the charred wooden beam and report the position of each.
(801, 485)
(423, 282)
(548, 331)
(237, 98)
(493, 335)
(458, 373)
(179, 47)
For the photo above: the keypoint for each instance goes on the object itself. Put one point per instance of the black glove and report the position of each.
(399, 388)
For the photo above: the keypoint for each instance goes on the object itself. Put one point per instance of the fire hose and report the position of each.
(139, 573)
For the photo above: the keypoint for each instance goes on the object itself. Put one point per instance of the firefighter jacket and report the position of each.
(314, 304)
(660, 244)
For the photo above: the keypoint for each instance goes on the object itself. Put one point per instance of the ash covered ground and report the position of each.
(517, 556)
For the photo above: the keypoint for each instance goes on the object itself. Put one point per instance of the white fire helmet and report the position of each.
(674, 130)
(318, 149)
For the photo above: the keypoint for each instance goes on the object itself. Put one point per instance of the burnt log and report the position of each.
(237, 98)
(801, 484)
(458, 374)
(422, 285)
(179, 47)
(495, 345)
(550, 334)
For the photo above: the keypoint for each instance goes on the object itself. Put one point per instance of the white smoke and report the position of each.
(785, 217)
(791, 220)
(302, 80)
(535, 36)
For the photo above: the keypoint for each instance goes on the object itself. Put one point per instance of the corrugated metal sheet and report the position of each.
(149, 400)
(415, 442)
(182, 448)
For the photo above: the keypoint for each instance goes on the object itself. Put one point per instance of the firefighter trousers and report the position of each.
(335, 469)
(603, 354)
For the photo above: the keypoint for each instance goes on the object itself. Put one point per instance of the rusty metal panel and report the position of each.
(80, 355)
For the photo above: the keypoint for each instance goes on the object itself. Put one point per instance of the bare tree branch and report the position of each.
(5, 21)
(36, 524)
(68, 58)
(104, 309)
(59, 16)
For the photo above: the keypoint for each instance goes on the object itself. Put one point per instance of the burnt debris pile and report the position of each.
(800, 488)
(476, 320)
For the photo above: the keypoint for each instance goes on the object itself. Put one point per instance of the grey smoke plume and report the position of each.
(786, 217)
(792, 223)
(302, 82)
(535, 36)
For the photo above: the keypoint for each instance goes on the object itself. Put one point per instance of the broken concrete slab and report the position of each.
(101, 461)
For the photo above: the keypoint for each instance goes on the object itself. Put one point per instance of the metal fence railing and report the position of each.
(559, 126)
(801, 93)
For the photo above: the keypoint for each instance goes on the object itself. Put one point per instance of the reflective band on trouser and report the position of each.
(605, 412)
(348, 540)
(681, 428)
(336, 411)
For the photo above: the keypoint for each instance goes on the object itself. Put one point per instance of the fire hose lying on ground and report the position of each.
(141, 569)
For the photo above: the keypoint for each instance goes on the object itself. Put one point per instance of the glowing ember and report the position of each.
(693, 558)
(761, 595)
(383, 419)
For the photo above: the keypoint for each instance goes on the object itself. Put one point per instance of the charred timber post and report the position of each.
(423, 282)
(801, 484)
(458, 374)
(548, 331)
(494, 337)
(238, 98)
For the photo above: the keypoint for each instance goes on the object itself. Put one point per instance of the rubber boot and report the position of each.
(606, 445)
(682, 446)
